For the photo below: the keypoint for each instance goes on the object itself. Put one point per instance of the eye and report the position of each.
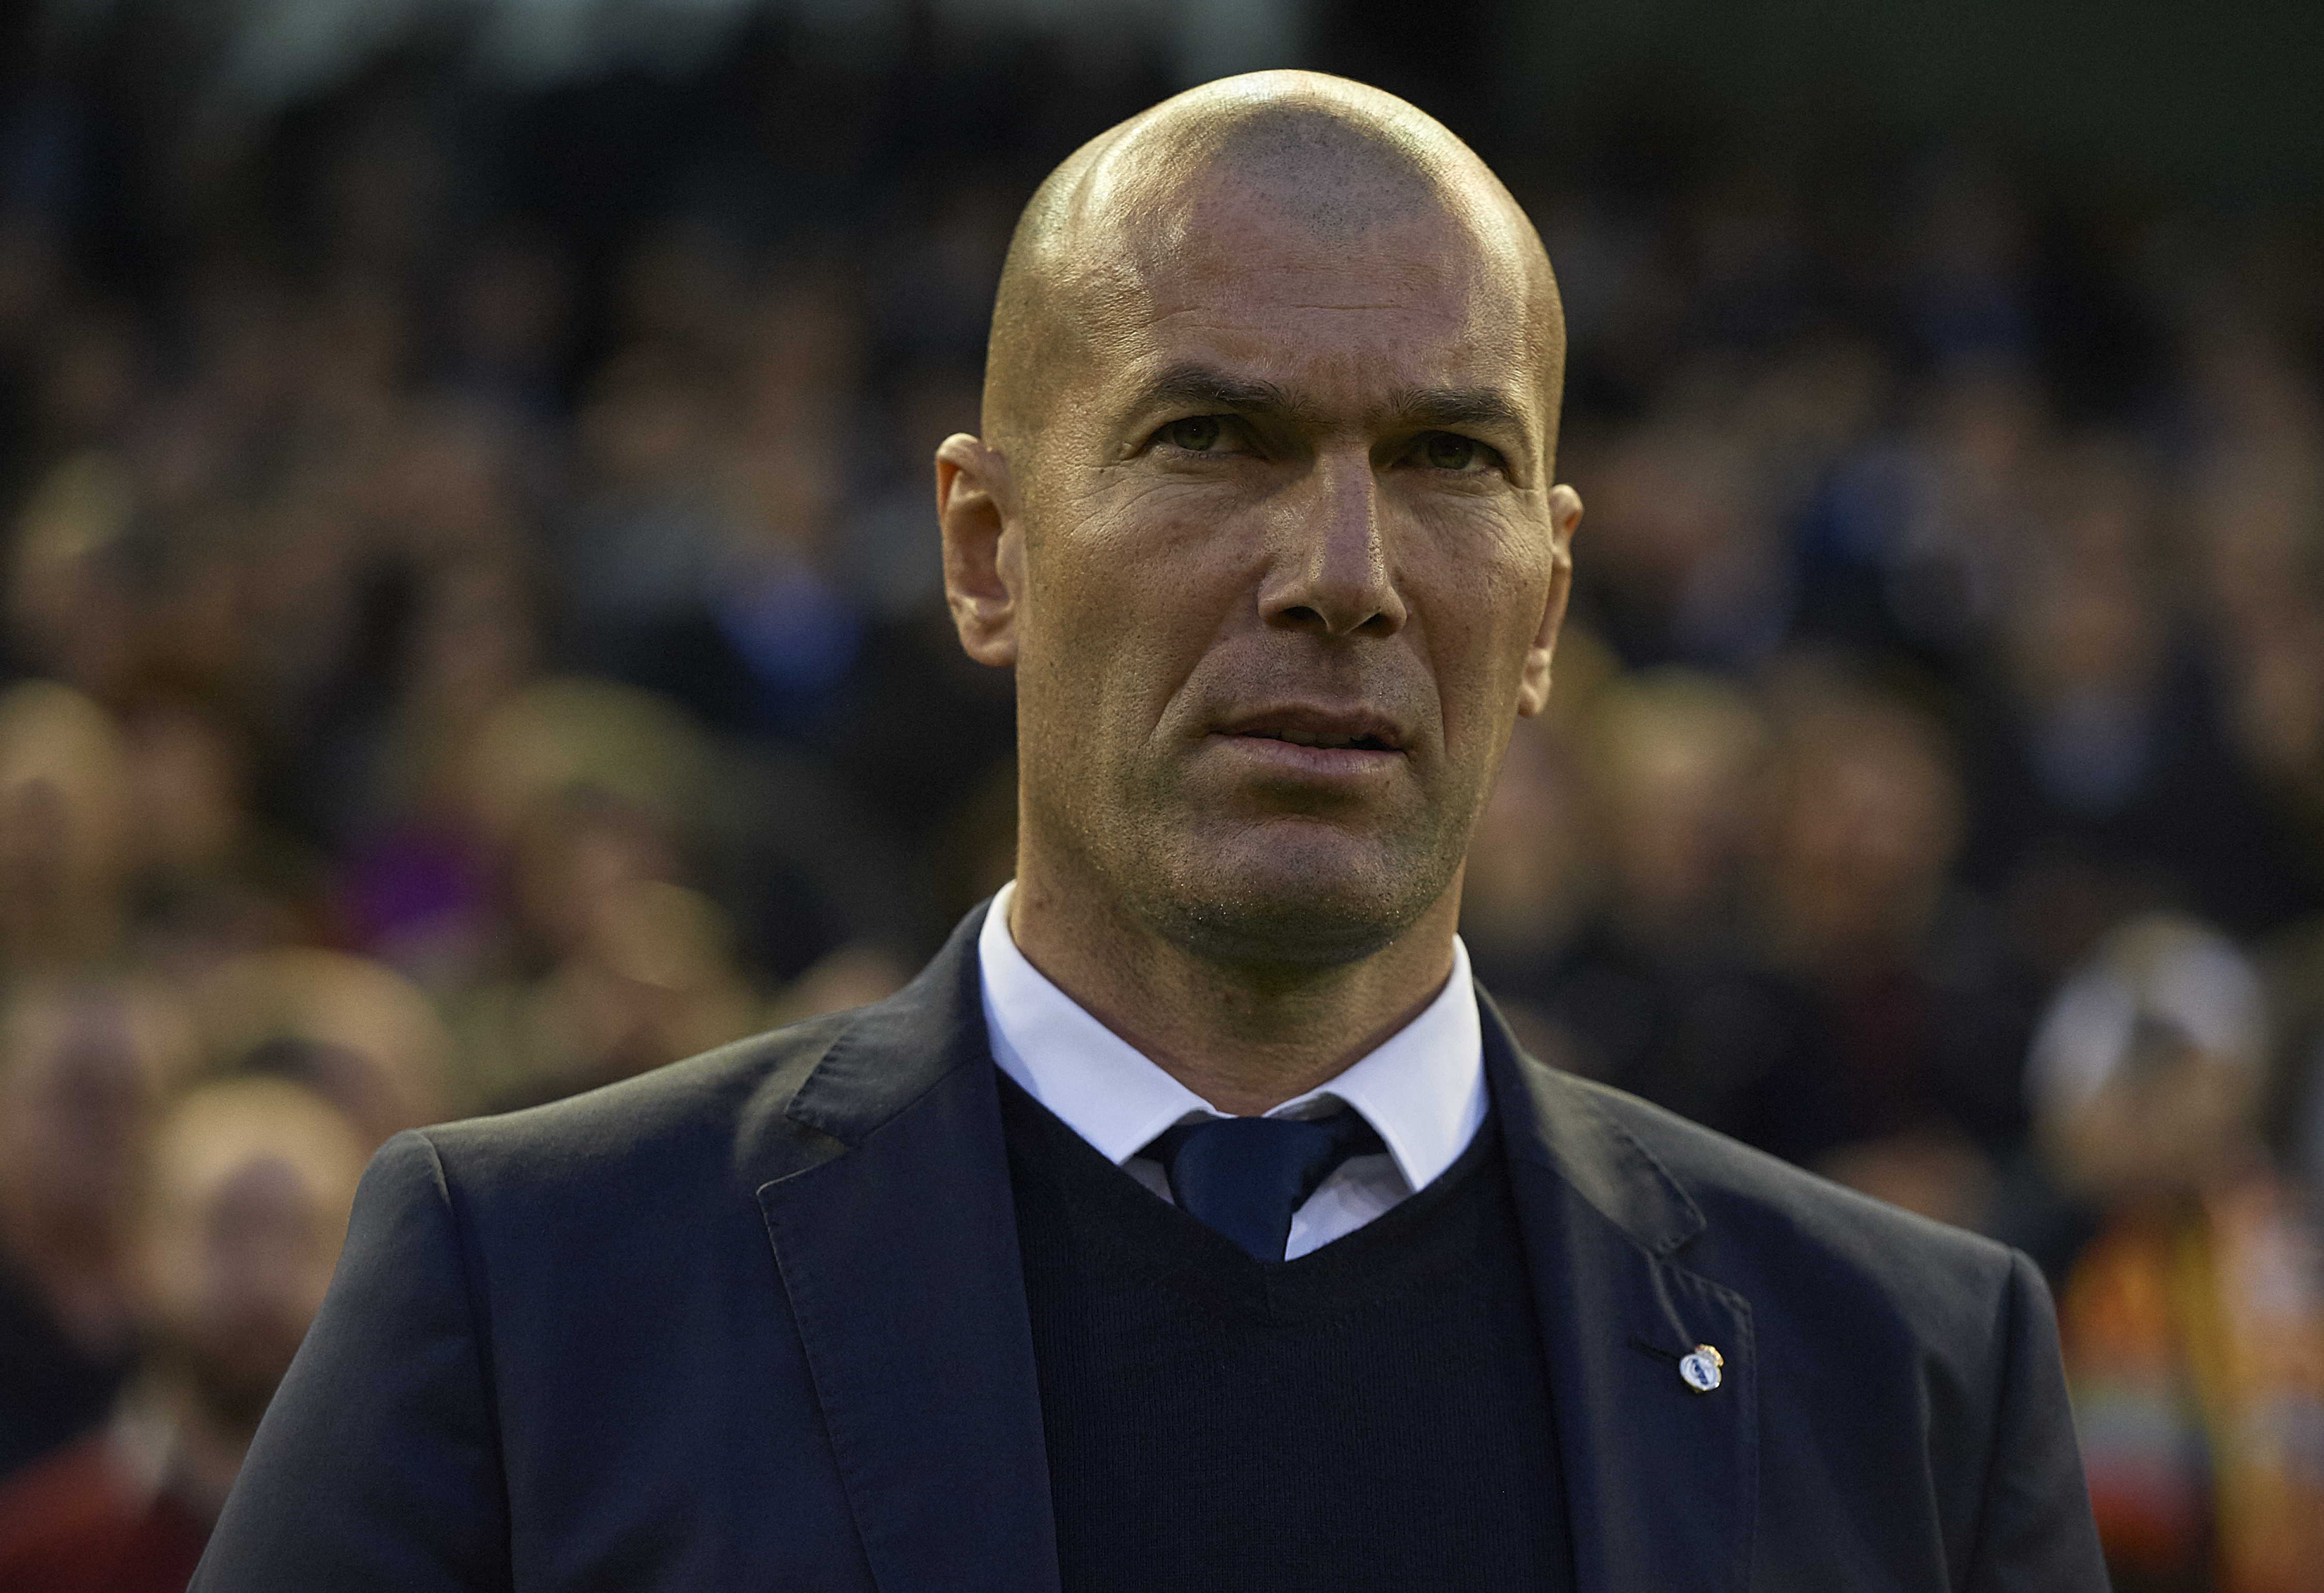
(1196, 434)
(1449, 450)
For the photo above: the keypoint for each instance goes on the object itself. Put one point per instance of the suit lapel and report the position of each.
(1660, 1481)
(896, 1243)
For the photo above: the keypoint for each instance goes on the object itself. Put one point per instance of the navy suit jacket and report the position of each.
(756, 1321)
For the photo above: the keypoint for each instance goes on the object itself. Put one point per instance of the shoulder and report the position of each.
(1905, 1374)
(711, 1118)
(737, 1118)
(1774, 1230)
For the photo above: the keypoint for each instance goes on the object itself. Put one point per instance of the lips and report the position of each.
(1310, 738)
(1355, 730)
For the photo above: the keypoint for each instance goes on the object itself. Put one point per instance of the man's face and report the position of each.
(234, 1280)
(1291, 564)
(243, 1227)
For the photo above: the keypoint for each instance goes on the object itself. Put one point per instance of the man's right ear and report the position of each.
(983, 550)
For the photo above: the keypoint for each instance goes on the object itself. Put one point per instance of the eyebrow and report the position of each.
(1467, 409)
(1481, 407)
(1206, 388)
(1202, 387)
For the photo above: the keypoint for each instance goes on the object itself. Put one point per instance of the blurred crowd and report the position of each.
(469, 637)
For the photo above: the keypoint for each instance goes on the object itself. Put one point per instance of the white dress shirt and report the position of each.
(1422, 1089)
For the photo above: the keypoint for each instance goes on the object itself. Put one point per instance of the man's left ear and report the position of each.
(1564, 519)
(983, 560)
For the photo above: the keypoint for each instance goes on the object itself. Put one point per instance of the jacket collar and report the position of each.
(893, 1053)
(1553, 1121)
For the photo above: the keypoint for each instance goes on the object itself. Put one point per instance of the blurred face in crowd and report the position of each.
(1674, 751)
(1866, 829)
(246, 1210)
(1533, 855)
(2148, 1076)
(82, 1069)
(1280, 561)
(2172, 1120)
(355, 1031)
(63, 831)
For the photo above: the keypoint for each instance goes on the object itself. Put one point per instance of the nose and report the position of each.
(1329, 567)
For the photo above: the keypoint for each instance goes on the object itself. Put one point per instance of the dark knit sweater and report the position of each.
(1372, 1415)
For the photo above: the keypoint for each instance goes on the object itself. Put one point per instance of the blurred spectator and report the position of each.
(2104, 769)
(2291, 966)
(891, 557)
(241, 1225)
(356, 1033)
(854, 975)
(2193, 1323)
(83, 1064)
(210, 878)
(429, 888)
(1656, 991)
(70, 605)
(1911, 1090)
(544, 894)
(2260, 562)
(64, 838)
(747, 619)
(1913, 537)
(1689, 563)
(1968, 293)
(507, 325)
(636, 551)
(633, 970)
(1679, 758)
(1530, 880)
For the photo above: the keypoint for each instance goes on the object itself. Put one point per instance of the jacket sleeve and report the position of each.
(378, 1465)
(2036, 1532)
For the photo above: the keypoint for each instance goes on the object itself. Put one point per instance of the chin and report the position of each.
(1315, 906)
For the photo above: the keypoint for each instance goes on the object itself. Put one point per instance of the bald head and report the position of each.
(1292, 158)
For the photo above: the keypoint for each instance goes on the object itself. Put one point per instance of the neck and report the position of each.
(1246, 1037)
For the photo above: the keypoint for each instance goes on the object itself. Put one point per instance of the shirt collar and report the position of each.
(1422, 1089)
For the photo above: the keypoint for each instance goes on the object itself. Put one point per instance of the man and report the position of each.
(244, 1210)
(1264, 522)
(83, 1061)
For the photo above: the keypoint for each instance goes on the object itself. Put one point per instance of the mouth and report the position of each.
(1360, 741)
(1308, 743)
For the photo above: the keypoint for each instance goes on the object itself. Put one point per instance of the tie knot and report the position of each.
(1245, 1177)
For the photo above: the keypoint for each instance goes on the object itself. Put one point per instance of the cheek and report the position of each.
(1125, 592)
(1486, 588)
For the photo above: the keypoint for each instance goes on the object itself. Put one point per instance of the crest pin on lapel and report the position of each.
(1700, 1368)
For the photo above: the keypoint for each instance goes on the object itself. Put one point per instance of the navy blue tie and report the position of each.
(1245, 1177)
